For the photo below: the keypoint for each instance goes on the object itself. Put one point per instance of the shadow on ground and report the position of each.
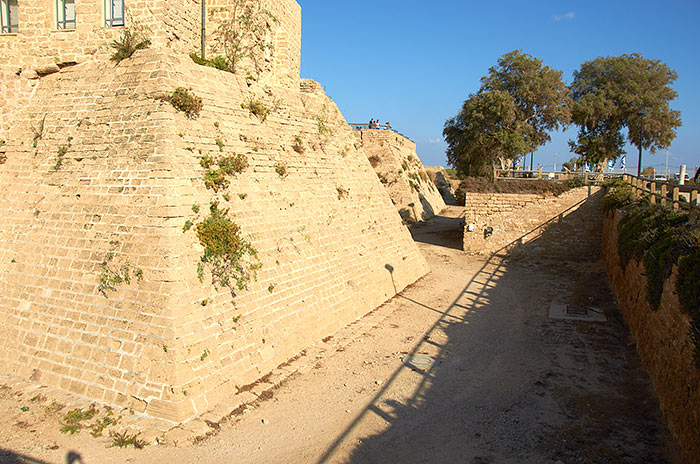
(10, 457)
(511, 385)
(440, 230)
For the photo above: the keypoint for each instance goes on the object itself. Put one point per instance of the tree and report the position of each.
(571, 164)
(518, 103)
(648, 172)
(610, 94)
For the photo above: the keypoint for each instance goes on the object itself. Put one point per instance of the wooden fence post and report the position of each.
(675, 197)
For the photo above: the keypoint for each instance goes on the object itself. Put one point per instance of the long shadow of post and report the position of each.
(423, 427)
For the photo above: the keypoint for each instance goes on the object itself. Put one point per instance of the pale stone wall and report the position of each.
(325, 232)
(520, 218)
(398, 167)
(172, 24)
(661, 337)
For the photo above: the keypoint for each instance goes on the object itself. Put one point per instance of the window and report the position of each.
(114, 12)
(8, 16)
(65, 14)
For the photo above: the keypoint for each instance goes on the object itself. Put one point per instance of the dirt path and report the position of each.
(507, 384)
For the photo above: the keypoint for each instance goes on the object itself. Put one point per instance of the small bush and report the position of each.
(183, 100)
(218, 62)
(617, 197)
(575, 182)
(298, 145)
(281, 169)
(232, 259)
(216, 179)
(342, 192)
(127, 45)
(233, 164)
(257, 108)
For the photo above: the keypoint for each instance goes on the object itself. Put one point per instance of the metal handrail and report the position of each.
(356, 126)
(639, 184)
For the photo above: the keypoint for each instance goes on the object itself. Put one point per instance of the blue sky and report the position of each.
(413, 63)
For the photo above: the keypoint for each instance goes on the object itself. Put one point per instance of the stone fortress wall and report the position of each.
(398, 167)
(40, 48)
(112, 180)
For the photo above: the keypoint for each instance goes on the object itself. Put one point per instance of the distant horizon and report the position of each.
(414, 65)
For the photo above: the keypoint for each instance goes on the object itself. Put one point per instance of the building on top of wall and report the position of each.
(41, 37)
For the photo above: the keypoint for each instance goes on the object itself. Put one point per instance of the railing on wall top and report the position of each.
(680, 196)
(364, 126)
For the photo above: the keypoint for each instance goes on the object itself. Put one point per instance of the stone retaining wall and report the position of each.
(516, 218)
(662, 341)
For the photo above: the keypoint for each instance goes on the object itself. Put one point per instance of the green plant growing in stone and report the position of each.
(188, 225)
(220, 144)
(195, 208)
(111, 277)
(232, 260)
(342, 192)
(322, 123)
(62, 150)
(217, 179)
(281, 169)
(218, 62)
(38, 131)
(183, 100)
(298, 145)
(204, 355)
(257, 108)
(246, 36)
(200, 272)
(134, 37)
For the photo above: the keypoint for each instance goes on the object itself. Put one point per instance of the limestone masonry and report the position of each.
(102, 174)
(398, 167)
(503, 221)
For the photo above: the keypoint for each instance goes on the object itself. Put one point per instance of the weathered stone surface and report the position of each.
(398, 167)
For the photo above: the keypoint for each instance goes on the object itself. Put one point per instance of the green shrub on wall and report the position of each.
(232, 260)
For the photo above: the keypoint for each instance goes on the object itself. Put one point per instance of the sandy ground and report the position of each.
(506, 385)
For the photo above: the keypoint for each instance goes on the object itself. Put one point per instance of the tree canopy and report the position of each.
(614, 93)
(518, 103)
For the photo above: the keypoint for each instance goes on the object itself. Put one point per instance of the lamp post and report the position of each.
(641, 114)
